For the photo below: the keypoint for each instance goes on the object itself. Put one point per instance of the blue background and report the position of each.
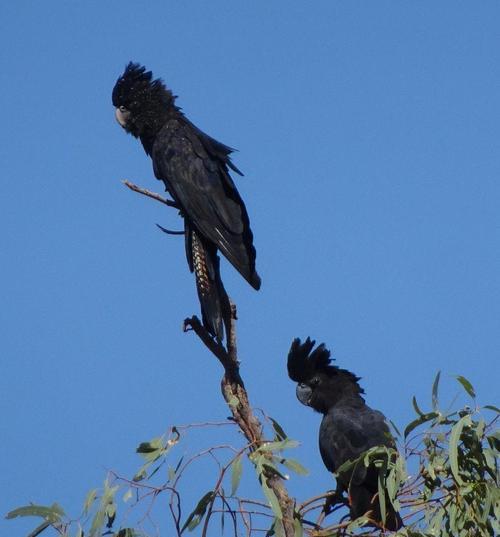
(369, 135)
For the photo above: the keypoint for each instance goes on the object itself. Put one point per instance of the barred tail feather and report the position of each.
(213, 298)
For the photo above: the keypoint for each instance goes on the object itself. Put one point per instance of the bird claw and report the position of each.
(186, 325)
(334, 501)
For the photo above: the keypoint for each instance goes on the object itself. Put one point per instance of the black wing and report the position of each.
(346, 432)
(194, 168)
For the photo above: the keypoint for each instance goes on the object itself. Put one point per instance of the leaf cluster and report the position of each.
(444, 481)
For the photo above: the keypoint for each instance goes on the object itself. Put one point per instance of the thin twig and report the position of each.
(149, 194)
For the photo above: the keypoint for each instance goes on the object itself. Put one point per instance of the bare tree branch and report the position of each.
(236, 397)
(149, 194)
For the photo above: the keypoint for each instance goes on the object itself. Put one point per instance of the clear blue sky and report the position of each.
(369, 135)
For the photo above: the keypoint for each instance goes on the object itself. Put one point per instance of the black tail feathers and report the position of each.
(363, 501)
(204, 262)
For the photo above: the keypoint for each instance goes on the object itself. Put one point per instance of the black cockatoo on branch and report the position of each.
(348, 429)
(195, 170)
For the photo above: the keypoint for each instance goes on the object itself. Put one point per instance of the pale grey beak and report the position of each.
(122, 116)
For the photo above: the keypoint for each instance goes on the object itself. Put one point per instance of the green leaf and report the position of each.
(298, 530)
(435, 388)
(466, 385)
(453, 446)
(280, 433)
(395, 428)
(452, 517)
(52, 513)
(199, 511)
(236, 470)
(141, 474)
(490, 457)
(273, 501)
(357, 523)
(295, 466)
(107, 500)
(149, 447)
(381, 494)
(155, 470)
(111, 510)
(171, 474)
(487, 502)
(278, 446)
(493, 407)
(416, 407)
(97, 523)
(42, 527)
(271, 469)
(279, 530)
(392, 483)
(347, 465)
(419, 421)
(151, 451)
(89, 500)
(127, 495)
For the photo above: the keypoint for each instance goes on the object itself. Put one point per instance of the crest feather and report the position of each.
(136, 84)
(304, 364)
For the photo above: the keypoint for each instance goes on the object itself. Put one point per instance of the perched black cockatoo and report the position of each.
(195, 170)
(349, 427)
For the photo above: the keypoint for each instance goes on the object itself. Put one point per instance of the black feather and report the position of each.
(349, 426)
(195, 170)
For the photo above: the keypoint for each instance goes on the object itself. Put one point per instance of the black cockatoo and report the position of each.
(195, 170)
(349, 427)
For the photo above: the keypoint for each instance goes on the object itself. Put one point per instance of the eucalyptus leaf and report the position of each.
(153, 445)
(54, 513)
(393, 425)
(273, 501)
(357, 523)
(466, 385)
(416, 407)
(298, 530)
(197, 514)
(171, 474)
(381, 491)
(151, 451)
(435, 389)
(453, 446)
(89, 500)
(42, 527)
(97, 523)
(280, 433)
(271, 469)
(419, 421)
(278, 446)
(295, 466)
(236, 471)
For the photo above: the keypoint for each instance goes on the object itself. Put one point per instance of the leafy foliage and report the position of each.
(444, 482)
